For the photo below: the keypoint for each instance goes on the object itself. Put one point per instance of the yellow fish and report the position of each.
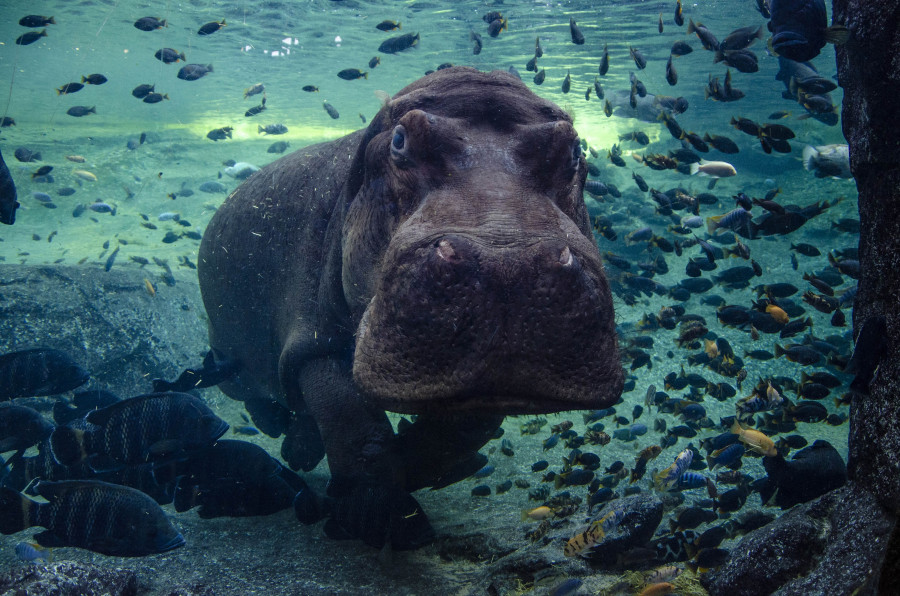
(754, 439)
(85, 175)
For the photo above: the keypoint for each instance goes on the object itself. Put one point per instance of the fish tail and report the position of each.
(399, 26)
(67, 445)
(809, 156)
(712, 222)
(691, 27)
(164, 23)
(837, 34)
(16, 511)
(736, 427)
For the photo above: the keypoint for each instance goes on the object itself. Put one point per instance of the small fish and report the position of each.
(272, 129)
(141, 91)
(29, 552)
(150, 24)
(567, 83)
(575, 31)
(388, 25)
(193, 72)
(374, 61)
(351, 74)
(278, 147)
(154, 97)
(169, 56)
(76, 158)
(679, 18)
(754, 439)
(540, 76)
(211, 373)
(30, 37)
(638, 58)
(220, 134)
(69, 88)
(105, 518)
(310, 88)
(79, 111)
(211, 27)
(828, 161)
(85, 175)
(34, 21)
(332, 111)
(256, 89)
(671, 73)
(496, 26)
(94, 79)
(41, 171)
(713, 169)
(99, 206)
(604, 61)
(399, 44)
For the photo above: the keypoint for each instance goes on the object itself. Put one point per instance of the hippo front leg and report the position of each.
(368, 498)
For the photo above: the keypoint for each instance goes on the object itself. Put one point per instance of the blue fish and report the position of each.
(800, 29)
(725, 456)
(690, 480)
(29, 552)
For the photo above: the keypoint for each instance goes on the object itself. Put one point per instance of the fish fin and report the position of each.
(695, 169)
(837, 34)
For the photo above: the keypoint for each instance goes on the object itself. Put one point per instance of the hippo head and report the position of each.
(469, 265)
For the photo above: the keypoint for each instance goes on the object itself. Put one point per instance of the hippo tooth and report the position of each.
(446, 252)
(565, 258)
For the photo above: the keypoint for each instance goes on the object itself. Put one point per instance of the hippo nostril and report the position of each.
(446, 252)
(565, 258)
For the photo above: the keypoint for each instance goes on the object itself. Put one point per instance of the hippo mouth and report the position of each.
(468, 331)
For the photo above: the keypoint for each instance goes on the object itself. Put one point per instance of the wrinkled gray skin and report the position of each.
(438, 263)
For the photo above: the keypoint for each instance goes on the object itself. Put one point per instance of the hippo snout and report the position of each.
(464, 322)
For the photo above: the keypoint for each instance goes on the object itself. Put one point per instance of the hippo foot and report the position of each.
(377, 514)
(302, 447)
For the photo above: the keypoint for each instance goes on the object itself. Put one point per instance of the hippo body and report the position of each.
(438, 263)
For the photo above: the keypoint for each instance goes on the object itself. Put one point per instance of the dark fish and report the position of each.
(69, 88)
(399, 43)
(34, 21)
(310, 88)
(111, 259)
(272, 129)
(681, 48)
(154, 427)
(577, 36)
(388, 25)
(705, 36)
(660, 23)
(538, 50)
(332, 111)
(21, 427)
(598, 89)
(720, 143)
(154, 97)
(671, 73)
(30, 37)
(83, 402)
(6, 121)
(798, 353)
(211, 27)
(540, 76)
(741, 38)
(220, 134)
(168, 55)
(742, 60)
(149, 24)
(813, 471)
(278, 147)
(604, 61)
(79, 111)
(39, 371)
(141, 91)
(192, 72)
(638, 58)
(351, 74)
(496, 26)
(257, 109)
(567, 83)
(211, 373)
(679, 18)
(8, 195)
(800, 29)
(112, 520)
(94, 79)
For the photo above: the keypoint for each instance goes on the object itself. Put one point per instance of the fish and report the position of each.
(332, 111)
(69, 88)
(156, 427)
(540, 76)
(37, 372)
(575, 31)
(21, 427)
(30, 37)
(29, 552)
(150, 24)
(800, 29)
(594, 534)
(638, 58)
(34, 21)
(94, 79)
(351, 74)
(604, 61)
(211, 27)
(79, 111)
(256, 109)
(8, 195)
(496, 26)
(679, 15)
(26, 155)
(754, 439)
(743, 60)
(192, 72)
(212, 372)
(705, 36)
(399, 43)
(255, 89)
(105, 518)
(666, 479)
(272, 129)
(169, 56)
(153, 97)
(387, 25)
(671, 73)
(82, 403)
(85, 175)
(828, 161)
(721, 143)
(567, 83)
(141, 91)
(713, 169)
(278, 147)
(741, 38)
(220, 134)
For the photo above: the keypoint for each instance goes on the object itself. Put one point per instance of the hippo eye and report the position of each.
(398, 142)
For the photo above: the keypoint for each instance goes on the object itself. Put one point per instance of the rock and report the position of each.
(105, 320)
(642, 515)
(68, 578)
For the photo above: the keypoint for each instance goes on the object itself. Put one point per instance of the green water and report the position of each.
(286, 45)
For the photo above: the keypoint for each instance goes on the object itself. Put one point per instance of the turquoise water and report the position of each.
(287, 45)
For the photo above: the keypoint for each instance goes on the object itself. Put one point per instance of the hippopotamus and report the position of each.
(438, 263)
